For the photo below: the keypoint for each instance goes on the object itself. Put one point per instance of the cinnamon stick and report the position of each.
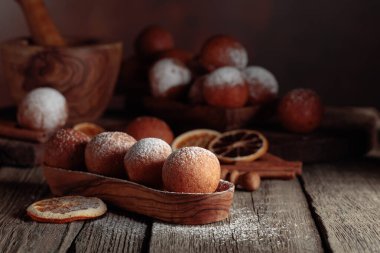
(41, 26)
(272, 174)
(264, 165)
(10, 130)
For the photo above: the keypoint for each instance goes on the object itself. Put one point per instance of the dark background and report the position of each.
(330, 46)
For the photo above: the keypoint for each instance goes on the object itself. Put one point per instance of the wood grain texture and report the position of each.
(84, 74)
(346, 199)
(181, 208)
(41, 26)
(115, 232)
(275, 218)
(18, 189)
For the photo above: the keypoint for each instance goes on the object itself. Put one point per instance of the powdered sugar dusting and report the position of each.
(190, 155)
(65, 138)
(152, 149)
(238, 56)
(43, 109)
(168, 73)
(106, 142)
(225, 76)
(255, 75)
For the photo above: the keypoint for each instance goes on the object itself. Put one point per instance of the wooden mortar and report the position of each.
(85, 74)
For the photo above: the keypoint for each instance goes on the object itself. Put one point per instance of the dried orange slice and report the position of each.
(89, 129)
(197, 137)
(239, 145)
(66, 209)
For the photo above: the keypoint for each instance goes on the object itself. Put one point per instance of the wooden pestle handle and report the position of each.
(42, 27)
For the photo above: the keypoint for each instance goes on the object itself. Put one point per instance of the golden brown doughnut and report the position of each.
(223, 50)
(145, 126)
(192, 170)
(65, 149)
(300, 110)
(262, 84)
(105, 153)
(225, 87)
(144, 160)
(152, 40)
(168, 78)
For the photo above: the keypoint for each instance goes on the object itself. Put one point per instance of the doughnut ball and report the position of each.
(65, 149)
(225, 87)
(196, 91)
(43, 109)
(105, 153)
(262, 84)
(152, 40)
(222, 50)
(168, 78)
(192, 170)
(144, 160)
(145, 126)
(300, 110)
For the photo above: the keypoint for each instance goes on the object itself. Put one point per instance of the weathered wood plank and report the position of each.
(19, 188)
(276, 218)
(116, 232)
(346, 198)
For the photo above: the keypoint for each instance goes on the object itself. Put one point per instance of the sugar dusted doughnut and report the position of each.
(105, 153)
(144, 160)
(225, 87)
(223, 50)
(43, 109)
(300, 110)
(152, 40)
(262, 84)
(168, 78)
(145, 126)
(192, 170)
(65, 149)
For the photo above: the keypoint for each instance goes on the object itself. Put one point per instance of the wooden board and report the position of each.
(275, 218)
(345, 132)
(346, 200)
(18, 189)
(185, 116)
(115, 232)
(20, 153)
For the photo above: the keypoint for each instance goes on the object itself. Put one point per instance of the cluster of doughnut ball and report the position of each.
(217, 76)
(130, 155)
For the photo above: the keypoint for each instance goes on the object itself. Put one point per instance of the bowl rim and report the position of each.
(231, 187)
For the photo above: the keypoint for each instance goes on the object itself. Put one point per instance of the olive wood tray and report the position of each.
(180, 208)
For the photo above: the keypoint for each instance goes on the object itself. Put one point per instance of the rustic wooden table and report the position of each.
(332, 207)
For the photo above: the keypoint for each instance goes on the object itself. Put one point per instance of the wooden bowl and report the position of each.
(181, 208)
(200, 116)
(86, 74)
